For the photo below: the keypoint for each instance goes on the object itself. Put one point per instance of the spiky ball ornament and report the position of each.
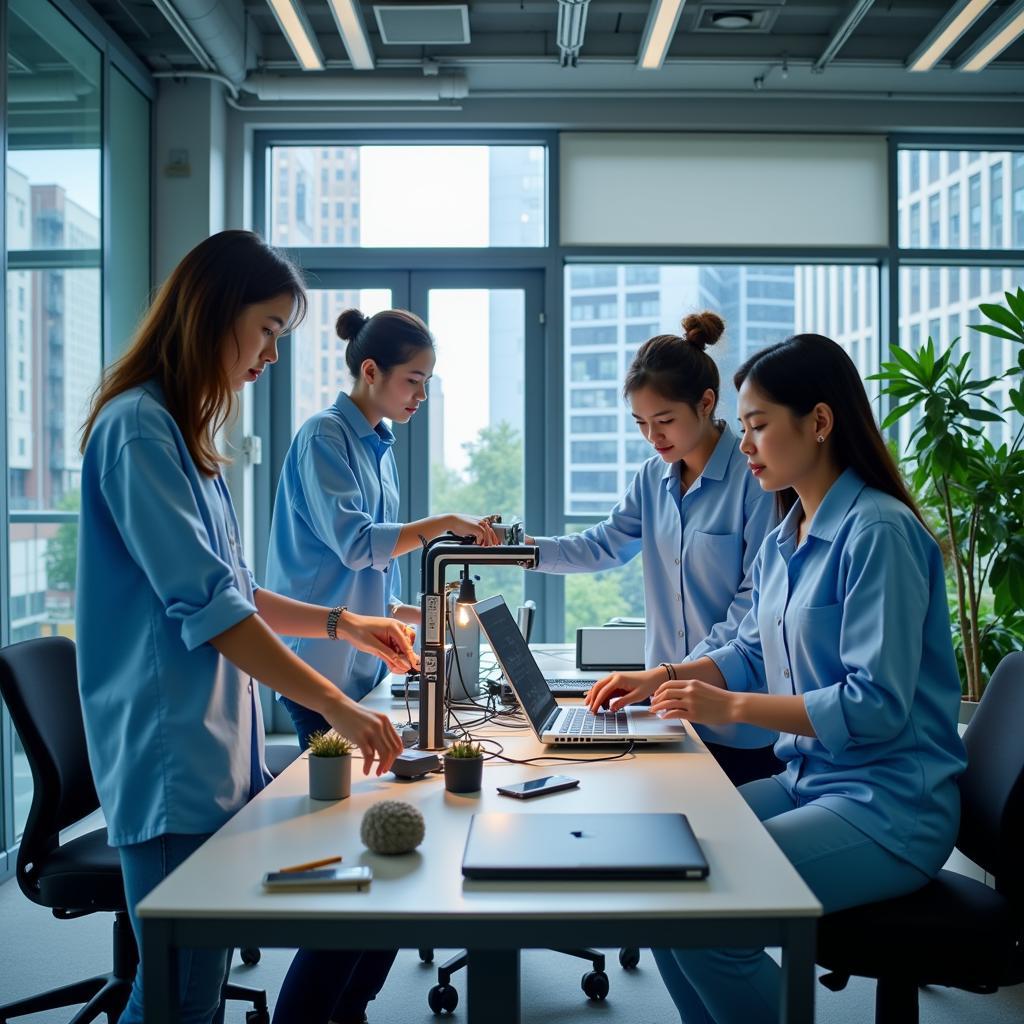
(392, 827)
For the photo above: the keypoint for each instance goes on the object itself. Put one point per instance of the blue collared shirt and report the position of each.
(697, 552)
(174, 737)
(855, 619)
(334, 529)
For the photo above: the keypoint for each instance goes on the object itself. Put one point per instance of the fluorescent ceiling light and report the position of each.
(959, 19)
(661, 26)
(349, 19)
(297, 31)
(995, 40)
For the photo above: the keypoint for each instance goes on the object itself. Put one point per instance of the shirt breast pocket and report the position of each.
(714, 565)
(815, 646)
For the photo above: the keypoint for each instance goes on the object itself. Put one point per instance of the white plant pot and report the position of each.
(330, 778)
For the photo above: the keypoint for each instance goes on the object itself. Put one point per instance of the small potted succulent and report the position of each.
(330, 766)
(463, 767)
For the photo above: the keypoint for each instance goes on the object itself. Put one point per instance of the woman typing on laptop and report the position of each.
(694, 513)
(846, 652)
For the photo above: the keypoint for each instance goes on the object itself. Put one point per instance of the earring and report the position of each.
(821, 439)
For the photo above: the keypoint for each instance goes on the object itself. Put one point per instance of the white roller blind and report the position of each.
(619, 188)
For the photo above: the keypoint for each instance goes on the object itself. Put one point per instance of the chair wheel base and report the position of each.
(629, 959)
(426, 956)
(595, 985)
(442, 999)
(257, 1017)
(250, 957)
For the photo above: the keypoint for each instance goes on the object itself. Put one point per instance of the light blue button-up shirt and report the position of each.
(175, 741)
(334, 529)
(855, 619)
(697, 550)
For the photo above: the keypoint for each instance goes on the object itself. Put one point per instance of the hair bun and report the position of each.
(703, 329)
(349, 324)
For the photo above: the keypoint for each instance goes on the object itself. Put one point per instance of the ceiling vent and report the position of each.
(735, 18)
(422, 24)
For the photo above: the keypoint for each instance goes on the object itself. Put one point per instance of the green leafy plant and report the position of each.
(971, 490)
(464, 749)
(329, 744)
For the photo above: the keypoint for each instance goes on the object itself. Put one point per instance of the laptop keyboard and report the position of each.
(571, 684)
(580, 722)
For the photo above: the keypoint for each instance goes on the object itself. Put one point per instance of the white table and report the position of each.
(752, 897)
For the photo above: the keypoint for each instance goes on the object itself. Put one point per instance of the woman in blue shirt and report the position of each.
(170, 626)
(697, 517)
(335, 536)
(846, 651)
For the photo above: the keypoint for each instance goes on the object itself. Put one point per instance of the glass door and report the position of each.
(470, 451)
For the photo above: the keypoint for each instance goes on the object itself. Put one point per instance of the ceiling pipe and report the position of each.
(360, 88)
(842, 34)
(213, 31)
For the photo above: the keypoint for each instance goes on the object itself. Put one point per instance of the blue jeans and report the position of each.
(306, 722)
(201, 972)
(841, 865)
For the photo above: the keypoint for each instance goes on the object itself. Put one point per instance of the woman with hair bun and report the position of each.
(336, 536)
(694, 514)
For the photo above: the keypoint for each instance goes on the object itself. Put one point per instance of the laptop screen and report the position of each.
(517, 661)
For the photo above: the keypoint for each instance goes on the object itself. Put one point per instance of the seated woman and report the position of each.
(849, 635)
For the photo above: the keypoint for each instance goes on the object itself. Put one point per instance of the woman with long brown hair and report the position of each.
(171, 627)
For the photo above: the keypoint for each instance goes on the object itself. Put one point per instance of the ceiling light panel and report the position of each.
(292, 20)
(658, 33)
(349, 19)
(961, 16)
(1004, 32)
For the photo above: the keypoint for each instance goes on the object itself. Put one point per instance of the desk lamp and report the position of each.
(438, 555)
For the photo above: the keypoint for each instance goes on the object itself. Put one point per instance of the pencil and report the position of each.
(309, 865)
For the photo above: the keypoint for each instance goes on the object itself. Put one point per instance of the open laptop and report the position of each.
(582, 846)
(550, 722)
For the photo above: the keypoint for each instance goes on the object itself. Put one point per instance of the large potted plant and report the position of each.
(971, 489)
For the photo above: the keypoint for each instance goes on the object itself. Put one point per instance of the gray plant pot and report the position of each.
(330, 778)
(463, 774)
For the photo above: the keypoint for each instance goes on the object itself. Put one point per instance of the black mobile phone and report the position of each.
(535, 787)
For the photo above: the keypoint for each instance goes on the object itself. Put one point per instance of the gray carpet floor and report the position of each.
(37, 952)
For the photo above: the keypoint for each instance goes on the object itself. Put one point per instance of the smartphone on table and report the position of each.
(318, 879)
(537, 787)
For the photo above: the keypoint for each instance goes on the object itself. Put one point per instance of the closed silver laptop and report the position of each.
(551, 723)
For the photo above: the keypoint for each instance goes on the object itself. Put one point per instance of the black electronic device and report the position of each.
(538, 787)
(412, 764)
(318, 879)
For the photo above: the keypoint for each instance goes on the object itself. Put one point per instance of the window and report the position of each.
(580, 336)
(420, 195)
(593, 398)
(934, 157)
(1018, 200)
(593, 424)
(984, 183)
(595, 451)
(642, 275)
(596, 482)
(760, 304)
(995, 193)
(954, 216)
(974, 210)
(594, 307)
(643, 304)
(602, 367)
(593, 277)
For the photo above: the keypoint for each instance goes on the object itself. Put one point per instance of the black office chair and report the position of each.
(954, 932)
(39, 684)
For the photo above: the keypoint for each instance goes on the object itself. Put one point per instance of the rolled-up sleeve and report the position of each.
(880, 642)
(614, 542)
(336, 509)
(152, 502)
(741, 659)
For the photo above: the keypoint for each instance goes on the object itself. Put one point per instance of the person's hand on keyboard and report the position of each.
(614, 692)
(695, 701)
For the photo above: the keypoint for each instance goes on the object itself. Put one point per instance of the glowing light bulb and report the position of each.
(462, 616)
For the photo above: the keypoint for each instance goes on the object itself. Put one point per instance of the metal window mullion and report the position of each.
(57, 259)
